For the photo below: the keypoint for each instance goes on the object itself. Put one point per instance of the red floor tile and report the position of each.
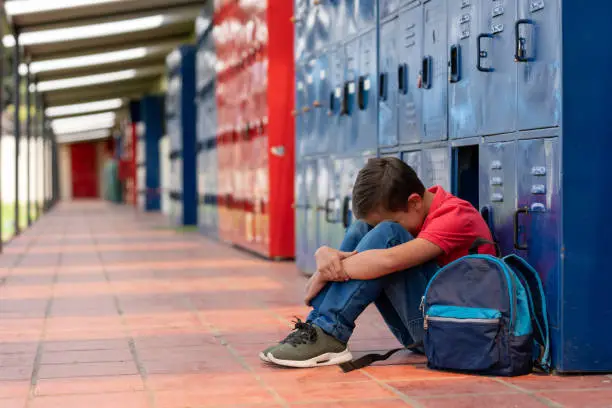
(484, 401)
(107, 400)
(593, 398)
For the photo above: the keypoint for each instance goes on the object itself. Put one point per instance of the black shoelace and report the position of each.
(303, 333)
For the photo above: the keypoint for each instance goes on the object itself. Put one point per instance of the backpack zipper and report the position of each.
(456, 320)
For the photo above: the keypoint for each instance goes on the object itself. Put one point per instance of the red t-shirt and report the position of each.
(454, 224)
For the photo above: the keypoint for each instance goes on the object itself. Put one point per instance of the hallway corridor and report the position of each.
(104, 307)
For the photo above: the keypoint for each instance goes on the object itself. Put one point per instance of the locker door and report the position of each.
(367, 90)
(311, 244)
(334, 205)
(335, 9)
(410, 97)
(323, 183)
(387, 84)
(538, 193)
(301, 100)
(350, 17)
(464, 81)
(498, 75)
(387, 7)
(367, 14)
(539, 64)
(325, 13)
(308, 112)
(337, 122)
(434, 71)
(414, 160)
(350, 137)
(321, 110)
(498, 190)
(436, 167)
(300, 216)
(350, 170)
(303, 40)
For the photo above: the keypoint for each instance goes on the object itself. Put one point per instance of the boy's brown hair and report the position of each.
(384, 183)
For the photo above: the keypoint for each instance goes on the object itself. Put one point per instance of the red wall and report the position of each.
(84, 160)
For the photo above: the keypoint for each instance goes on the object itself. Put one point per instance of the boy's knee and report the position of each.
(384, 235)
(390, 228)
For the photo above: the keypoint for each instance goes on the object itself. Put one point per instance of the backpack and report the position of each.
(486, 315)
(483, 315)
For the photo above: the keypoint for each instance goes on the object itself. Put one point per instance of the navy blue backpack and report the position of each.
(486, 315)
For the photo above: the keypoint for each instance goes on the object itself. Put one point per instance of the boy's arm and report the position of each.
(376, 263)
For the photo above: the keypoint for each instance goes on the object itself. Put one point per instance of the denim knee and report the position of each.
(355, 233)
(385, 235)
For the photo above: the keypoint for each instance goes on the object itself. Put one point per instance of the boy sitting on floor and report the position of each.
(404, 233)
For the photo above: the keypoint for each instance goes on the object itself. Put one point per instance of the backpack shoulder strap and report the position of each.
(537, 305)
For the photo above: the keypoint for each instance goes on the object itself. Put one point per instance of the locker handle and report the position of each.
(345, 110)
(402, 78)
(332, 103)
(329, 211)
(520, 51)
(487, 213)
(382, 86)
(363, 90)
(480, 54)
(517, 216)
(346, 221)
(455, 58)
(426, 72)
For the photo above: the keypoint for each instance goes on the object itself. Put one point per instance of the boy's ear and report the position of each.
(414, 201)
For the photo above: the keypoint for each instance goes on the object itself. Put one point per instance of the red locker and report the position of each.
(255, 96)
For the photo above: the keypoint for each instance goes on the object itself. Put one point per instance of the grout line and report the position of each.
(408, 400)
(219, 337)
(331, 400)
(532, 394)
(131, 344)
(41, 342)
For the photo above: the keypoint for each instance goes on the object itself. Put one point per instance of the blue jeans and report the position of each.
(397, 296)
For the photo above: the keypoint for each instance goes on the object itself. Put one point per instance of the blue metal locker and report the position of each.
(498, 71)
(308, 113)
(311, 214)
(367, 93)
(322, 78)
(181, 122)
(436, 167)
(463, 72)
(387, 7)
(388, 84)
(338, 123)
(414, 159)
(410, 97)
(301, 228)
(538, 55)
(498, 190)
(303, 40)
(434, 78)
(334, 9)
(323, 204)
(350, 169)
(334, 205)
(152, 114)
(323, 23)
(350, 17)
(539, 216)
(367, 14)
(301, 102)
(350, 137)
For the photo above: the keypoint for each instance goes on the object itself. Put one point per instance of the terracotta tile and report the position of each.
(108, 400)
(249, 394)
(455, 386)
(484, 401)
(15, 373)
(14, 389)
(553, 382)
(408, 373)
(366, 403)
(581, 399)
(89, 385)
(86, 356)
(313, 392)
(87, 369)
(13, 402)
(109, 344)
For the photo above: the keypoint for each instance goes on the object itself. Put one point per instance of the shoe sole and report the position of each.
(319, 361)
(263, 357)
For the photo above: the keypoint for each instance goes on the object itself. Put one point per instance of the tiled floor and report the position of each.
(102, 307)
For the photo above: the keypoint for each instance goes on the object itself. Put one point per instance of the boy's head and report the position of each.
(387, 189)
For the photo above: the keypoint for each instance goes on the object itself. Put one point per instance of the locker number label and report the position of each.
(366, 84)
(351, 87)
(322, 74)
(536, 5)
(300, 86)
(338, 92)
(309, 79)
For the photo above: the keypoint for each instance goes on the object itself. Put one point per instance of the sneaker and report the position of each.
(263, 356)
(308, 346)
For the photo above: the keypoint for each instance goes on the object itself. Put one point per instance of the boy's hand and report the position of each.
(315, 284)
(329, 264)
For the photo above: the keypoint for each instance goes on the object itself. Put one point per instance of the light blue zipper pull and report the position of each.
(422, 305)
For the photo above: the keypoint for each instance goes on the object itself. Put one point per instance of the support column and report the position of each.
(17, 80)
